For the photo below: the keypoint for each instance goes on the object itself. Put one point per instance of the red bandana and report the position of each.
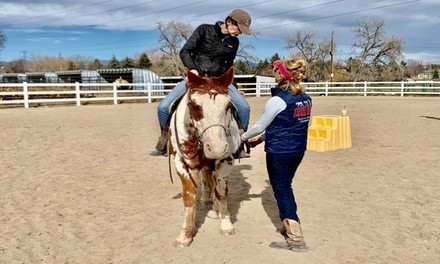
(278, 64)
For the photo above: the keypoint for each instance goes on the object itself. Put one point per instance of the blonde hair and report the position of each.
(297, 69)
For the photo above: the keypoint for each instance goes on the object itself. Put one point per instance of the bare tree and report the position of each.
(374, 49)
(304, 45)
(82, 62)
(47, 63)
(243, 52)
(414, 68)
(16, 66)
(172, 37)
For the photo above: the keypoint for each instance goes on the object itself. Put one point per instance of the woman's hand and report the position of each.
(255, 141)
(195, 72)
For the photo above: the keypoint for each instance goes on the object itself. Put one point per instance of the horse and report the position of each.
(203, 137)
(120, 83)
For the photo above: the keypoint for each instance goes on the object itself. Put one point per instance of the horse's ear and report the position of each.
(224, 81)
(228, 76)
(188, 72)
(193, 80)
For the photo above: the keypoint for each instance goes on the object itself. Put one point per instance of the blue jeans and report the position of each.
(163, 109)
(281, 168)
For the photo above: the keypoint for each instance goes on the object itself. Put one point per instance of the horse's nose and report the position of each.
(216, 150)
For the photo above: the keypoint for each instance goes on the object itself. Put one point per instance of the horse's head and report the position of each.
(210, 109)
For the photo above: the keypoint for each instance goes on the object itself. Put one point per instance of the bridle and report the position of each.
(205, 88)
(199, 136)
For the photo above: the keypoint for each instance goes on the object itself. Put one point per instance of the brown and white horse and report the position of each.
(203, 137)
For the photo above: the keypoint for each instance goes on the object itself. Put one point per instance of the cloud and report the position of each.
(275, 20)
(425, 57)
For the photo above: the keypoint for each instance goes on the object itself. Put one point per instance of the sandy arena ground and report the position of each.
(77, 186)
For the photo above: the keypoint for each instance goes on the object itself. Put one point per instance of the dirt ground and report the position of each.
(77, 186)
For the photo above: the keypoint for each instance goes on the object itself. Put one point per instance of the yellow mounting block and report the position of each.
(329, 132)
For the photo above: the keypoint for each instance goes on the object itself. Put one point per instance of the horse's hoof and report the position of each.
(212, 214)
(182, 244)
(229, 232)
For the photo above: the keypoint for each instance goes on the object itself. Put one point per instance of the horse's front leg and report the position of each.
(220, 198)
(189, 193)
(207, 184)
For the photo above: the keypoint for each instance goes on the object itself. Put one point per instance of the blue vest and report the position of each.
(288, 131)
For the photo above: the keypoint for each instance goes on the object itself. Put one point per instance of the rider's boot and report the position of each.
(161, 146)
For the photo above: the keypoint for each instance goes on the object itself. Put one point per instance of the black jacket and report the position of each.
(209, 51)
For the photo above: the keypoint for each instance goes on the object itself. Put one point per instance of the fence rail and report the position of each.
(34, 94)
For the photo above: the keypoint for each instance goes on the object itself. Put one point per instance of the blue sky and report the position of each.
(103, 28)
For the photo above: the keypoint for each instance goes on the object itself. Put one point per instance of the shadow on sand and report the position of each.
(238, 193)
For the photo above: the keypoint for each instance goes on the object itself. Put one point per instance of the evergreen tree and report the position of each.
(127, 62)
(264, 67)
(114, 63)
(275, 57)
(241, 67)
(144, 61)
(96, 65)
(71, 65)
(435, 74)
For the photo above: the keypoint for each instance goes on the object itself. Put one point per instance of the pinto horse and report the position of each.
(203, 137)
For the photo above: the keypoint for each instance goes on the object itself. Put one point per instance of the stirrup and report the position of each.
(243, 151)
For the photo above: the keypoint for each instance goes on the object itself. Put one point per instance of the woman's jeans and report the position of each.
(281, 168)
(163, 109)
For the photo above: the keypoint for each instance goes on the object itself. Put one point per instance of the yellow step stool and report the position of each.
(329, 132)
(345, 134)
(324, 139)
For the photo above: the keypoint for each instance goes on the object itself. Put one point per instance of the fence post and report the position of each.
(149, 92)
(365, 88)
(402, 88)
(115, 93)
(258, 89)
(326, 88)
(77, 94)
(25, 95)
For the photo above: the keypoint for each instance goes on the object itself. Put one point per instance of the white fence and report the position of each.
(34, 94)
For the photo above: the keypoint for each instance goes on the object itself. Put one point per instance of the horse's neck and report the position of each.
(182, 117)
